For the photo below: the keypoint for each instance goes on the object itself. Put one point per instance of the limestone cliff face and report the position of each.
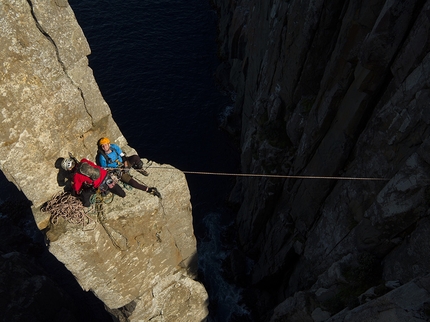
(332, 88)
(141, 255)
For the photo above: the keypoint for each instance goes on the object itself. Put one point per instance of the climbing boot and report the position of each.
(143, 171)
(154, 192)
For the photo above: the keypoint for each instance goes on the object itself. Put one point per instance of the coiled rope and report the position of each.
(64, 205)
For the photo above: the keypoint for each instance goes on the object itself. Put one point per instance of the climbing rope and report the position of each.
(99, 199)
(277, 175)
(116, 174)
(64, 205)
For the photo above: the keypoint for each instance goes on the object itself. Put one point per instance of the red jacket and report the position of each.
(79, 179)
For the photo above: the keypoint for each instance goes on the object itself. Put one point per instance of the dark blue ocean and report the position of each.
(154, 61)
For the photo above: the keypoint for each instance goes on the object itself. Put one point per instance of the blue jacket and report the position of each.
(114, 158)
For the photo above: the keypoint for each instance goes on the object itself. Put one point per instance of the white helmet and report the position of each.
(68, 164)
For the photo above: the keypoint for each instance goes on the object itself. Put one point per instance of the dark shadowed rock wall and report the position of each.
(332, 89)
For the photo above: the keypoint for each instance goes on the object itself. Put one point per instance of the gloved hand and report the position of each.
(154, 191)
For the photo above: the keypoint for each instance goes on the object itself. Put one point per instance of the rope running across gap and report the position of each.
(279, 176)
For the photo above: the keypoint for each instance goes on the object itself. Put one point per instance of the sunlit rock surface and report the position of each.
(142, 253)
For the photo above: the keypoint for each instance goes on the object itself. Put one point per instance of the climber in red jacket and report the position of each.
(87, 177)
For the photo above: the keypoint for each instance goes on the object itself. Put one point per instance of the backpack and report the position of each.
(89, 171)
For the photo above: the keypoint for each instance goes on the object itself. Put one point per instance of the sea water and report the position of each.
(154, 61)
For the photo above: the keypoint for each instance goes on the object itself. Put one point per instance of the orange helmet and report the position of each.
(104, 141)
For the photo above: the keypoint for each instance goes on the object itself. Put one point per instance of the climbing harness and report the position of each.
(117, 173)
(122, 167)
(101, 197)
(64, 205)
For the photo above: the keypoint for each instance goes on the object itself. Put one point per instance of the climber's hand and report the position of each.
(154, 191)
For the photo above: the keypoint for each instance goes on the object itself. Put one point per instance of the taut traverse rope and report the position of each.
(70, 208)
(277, 175)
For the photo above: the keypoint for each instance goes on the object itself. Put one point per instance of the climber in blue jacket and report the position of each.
(111, 157)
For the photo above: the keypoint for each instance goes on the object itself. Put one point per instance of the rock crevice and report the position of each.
(330, 89)
(139, 258)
